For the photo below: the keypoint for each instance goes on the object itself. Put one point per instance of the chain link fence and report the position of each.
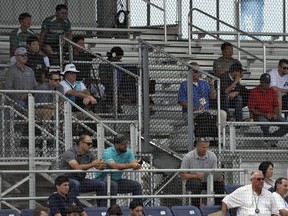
(249, 16)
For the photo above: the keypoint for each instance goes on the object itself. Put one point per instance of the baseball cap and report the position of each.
(236, 67)
(265, 77)
(120, 139)
(20, 51)
(70, 68)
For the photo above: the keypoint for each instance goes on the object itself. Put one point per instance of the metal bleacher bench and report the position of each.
(274, 36)
(131, 31)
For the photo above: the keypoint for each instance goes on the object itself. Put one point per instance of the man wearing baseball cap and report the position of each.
(264, 107)
(20, 77)
(75, 89)
(233, 94)
(120, 157)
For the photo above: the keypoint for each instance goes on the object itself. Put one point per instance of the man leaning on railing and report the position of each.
(79, 157)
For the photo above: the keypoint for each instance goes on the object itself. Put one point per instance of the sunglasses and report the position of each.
(88, 143)
(285, 68)
(259, 179)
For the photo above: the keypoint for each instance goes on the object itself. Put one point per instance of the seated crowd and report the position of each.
(29, 71)
(265, 102)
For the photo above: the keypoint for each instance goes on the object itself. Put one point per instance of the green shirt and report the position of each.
(54, 28)
(110, 155)
(220, 62)
(18, 38)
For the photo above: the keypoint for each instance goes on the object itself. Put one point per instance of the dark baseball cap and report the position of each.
(236, 67)
(265, 78)
(121, 139)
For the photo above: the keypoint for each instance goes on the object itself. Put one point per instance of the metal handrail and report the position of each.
(164, 9)
(239, 32)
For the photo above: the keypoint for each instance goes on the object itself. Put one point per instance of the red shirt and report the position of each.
(264, 102)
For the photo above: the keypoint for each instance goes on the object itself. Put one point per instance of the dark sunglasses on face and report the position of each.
(88, 143)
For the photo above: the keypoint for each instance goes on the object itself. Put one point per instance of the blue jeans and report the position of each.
(89, 185)
(124, 186)
(282, 130)
(236, 102)
(252, 15)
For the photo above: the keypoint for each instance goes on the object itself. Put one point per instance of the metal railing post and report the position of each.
(165, 20)
(68, 125)
(100, 140)
(32, 165)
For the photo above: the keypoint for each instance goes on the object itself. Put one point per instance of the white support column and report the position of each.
(68, 125)
(32, 166)
(133, 138)
(210, 189)
(100, 140)
(232, 138)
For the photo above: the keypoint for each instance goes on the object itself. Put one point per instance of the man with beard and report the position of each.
(120, 157)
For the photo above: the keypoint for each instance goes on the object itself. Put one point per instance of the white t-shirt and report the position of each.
(268, 186)
(280, 202)
(247, 201)
(68, 86)
(277, 80)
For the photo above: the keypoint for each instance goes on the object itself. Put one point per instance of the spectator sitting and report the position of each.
(136, 208)
(267, 168)
(46, 110)
(19, 36)
(97, 90)
(37, 60)
(53, 27)
(200, 157)
(281, 188)
(114, 210)
(233, 94)
(60, 201)
(251, 199)
(20, 77)
(80, 157)
(279, 82)
(202, 92)
(120, 157)
(223, 64)
(73, 210)
(41, 211)
(264, 107)
(75, 89)
(86, 58)
(106, 72)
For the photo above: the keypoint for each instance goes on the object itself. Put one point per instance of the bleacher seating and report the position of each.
(185, 211)
(125, 210)
(206, 210)
(157, 211)
(96, 211)
(9, 212)
(27, 212)
(230, 188)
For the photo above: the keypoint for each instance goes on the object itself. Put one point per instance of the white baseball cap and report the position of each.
(70, 68)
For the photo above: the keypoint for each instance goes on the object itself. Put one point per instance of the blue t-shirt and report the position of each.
(60, 204)
(109, 155)
(201, 90)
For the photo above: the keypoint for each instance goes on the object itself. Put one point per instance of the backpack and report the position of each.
(205, 125)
